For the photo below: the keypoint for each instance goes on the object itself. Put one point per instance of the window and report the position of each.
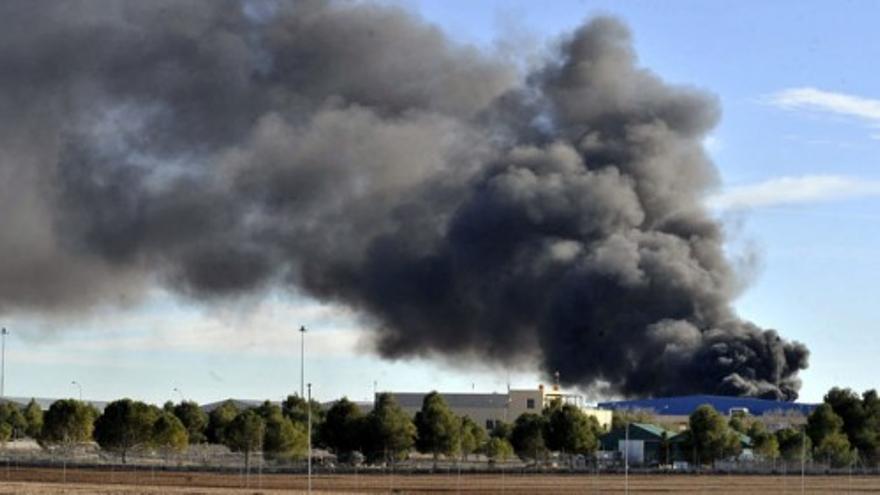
(530, 403)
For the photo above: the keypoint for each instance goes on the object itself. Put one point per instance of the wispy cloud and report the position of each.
(267, 329)
(817, 100)
(794, 190)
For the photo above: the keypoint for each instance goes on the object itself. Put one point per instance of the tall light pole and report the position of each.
(3, 333)
(80, 389)
(626, 459)
(803, 458)
(302, 360)
(309, 431)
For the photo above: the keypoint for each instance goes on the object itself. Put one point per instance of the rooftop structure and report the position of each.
(679, 408)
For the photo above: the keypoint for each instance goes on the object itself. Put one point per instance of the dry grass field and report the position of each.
(46, 481)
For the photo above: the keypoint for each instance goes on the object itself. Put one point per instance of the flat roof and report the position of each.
(685, 405)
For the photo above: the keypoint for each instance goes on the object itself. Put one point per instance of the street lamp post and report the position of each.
(309, 432)
(78, 386)
(3, 334)
(302, 360)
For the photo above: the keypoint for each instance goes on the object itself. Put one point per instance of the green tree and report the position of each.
(870, 443)
(472, 437)
(764, 443)
(823, 422)
(527, 436)
(295, 408)
(5, 433)
(857, 421)
(219, 420)
(389, 432)
(437, 427)
(571, 431)
(12, 415)
(835, 449)
(245, 434)
(67, 423)
(710, 436)
(793, 443)
(194, 419)
(342, 429)
(284, 438)
(33, 415)
(502, 430)
(738, 423)
(498, 449)
(169, 435)
(124, 425)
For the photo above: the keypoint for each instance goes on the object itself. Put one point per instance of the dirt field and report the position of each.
(44, 481)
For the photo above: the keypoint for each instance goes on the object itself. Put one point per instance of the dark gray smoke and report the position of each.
(353, 152)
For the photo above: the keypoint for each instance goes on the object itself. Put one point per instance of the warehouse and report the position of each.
(642, 443)
(676, 410)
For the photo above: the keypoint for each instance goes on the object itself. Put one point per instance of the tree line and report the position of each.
(388, 433)
(385, 434)
(843, 430)
(126, 425)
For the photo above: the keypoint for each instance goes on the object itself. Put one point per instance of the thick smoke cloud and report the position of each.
(353, 152)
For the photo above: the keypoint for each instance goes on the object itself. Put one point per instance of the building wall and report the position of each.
(653, 449)
(480, 415)
(525, 401)
(504, 407)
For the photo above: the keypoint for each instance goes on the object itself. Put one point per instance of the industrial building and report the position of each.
(676, 410)
(645, 444)
(642, 443)
(489, 409)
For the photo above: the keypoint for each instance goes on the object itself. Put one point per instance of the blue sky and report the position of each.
(797, 152)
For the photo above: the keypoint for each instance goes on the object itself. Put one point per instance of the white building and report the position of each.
(488, 409)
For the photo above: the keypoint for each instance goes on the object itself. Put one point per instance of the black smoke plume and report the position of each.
(354, 152)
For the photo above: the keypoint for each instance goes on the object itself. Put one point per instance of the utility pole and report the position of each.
(626, 460)
(309, 430)
(803, 458)
(302, 360)
(4, 333)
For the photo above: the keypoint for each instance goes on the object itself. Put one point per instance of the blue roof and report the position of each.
(685, 405)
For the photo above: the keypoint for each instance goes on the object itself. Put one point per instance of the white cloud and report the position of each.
(817, 100)
(826, 101)
(266, 328)
(269, 329)
(793, 190)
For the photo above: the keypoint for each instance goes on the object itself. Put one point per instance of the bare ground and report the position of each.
(80, 481)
